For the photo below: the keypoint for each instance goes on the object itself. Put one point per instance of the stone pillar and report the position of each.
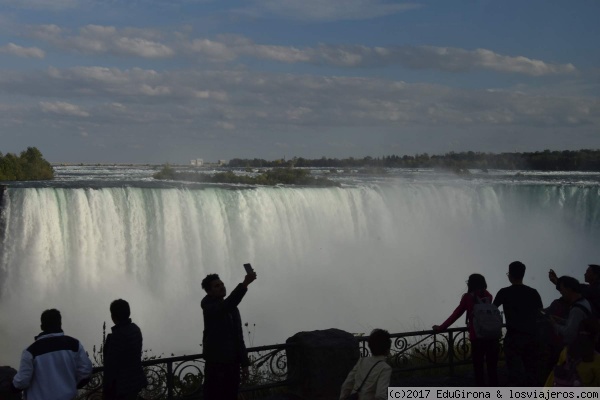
(320, 361)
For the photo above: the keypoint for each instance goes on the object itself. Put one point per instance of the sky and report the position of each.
(154, 81)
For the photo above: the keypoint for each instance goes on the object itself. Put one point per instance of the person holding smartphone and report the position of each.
(590, 290)
(223, 340)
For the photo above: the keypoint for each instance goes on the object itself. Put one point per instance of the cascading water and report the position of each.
(374, 255)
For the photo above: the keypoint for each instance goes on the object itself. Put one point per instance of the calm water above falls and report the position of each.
(391, 251)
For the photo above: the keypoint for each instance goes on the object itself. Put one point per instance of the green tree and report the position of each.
(30, 165)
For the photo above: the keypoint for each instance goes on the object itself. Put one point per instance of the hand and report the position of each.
(245, 374)
(251, 277)
(436, 328)
(552, 276)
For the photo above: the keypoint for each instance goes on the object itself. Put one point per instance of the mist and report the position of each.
(394, 256)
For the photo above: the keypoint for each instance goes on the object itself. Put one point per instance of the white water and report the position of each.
(392, 255)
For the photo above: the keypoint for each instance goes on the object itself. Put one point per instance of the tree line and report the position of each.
(567, 160)
(30, 165)
(287, 176)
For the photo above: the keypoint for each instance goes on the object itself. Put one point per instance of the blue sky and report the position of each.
(155, 81)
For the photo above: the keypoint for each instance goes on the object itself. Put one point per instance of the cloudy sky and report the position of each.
(153, 81)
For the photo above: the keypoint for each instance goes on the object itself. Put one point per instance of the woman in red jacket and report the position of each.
(483, 351)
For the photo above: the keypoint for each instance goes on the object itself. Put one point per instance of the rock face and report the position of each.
(320, 361)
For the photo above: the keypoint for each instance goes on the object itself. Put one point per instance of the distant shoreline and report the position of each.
(566, 160)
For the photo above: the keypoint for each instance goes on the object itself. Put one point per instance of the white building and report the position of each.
(198, 162)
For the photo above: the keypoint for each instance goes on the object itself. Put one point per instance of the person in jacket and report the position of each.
(483, 351)
(373, 372)
(55, 365)
(223, 340)
(124, 376)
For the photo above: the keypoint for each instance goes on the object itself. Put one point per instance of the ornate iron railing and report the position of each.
(413, 351)
(182, 377)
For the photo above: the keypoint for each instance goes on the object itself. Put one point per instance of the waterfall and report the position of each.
(355, 258)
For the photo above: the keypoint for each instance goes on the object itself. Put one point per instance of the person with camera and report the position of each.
(223, 340)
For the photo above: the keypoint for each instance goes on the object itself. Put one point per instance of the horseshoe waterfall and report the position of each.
(372, 254)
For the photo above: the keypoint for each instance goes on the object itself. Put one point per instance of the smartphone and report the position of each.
(248, 268)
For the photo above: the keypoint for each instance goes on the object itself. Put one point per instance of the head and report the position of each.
(569, 288)
(51, 321)
(475, 283)
(516, 271)
(380, 342)
(119, 311)
(213, 286)
(592, 273)
(558, 283)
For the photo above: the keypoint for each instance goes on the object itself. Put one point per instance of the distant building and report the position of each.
(198, 162)
(222, 162)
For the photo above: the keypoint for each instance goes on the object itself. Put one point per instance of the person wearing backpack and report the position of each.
(369, 379)
(589, 290)
(581, 309)
(483, 333)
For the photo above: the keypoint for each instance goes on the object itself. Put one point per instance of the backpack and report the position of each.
(586, 311)
(487, 319)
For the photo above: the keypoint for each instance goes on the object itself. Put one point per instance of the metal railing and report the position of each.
(182, 377)
(422, 350)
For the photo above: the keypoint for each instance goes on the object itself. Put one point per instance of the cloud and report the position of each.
(230, 99)
(413, 57)
(19, 51)
(63, 108)
(152, 44)
(56, 5)
(98, 39)
(41, 4)
(327, 10)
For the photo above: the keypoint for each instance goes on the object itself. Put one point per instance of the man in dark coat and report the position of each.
(223, 341)
(124, 376)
